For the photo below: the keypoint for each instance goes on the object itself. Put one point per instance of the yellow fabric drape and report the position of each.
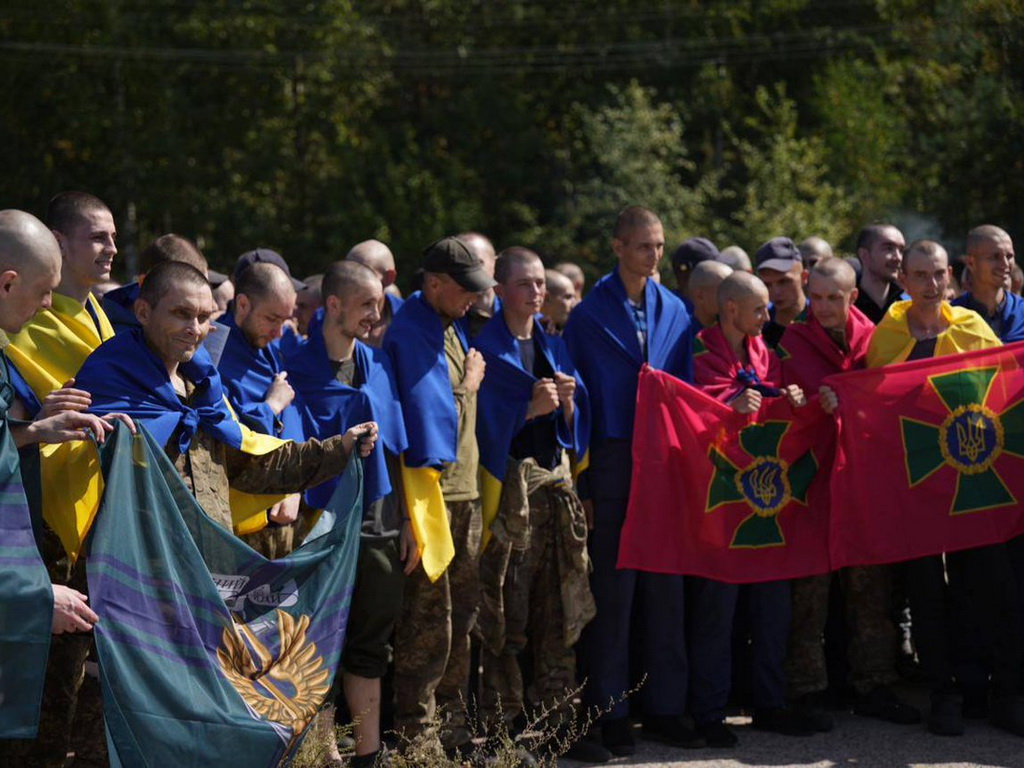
(892, 342)
(429, 518)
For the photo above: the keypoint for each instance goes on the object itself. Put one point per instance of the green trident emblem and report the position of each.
(765, 485)
(970, 439)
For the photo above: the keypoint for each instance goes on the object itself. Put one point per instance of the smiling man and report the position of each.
(342, 381)
(990, 259)
(880, 250)
(971, 588)
(50, 349)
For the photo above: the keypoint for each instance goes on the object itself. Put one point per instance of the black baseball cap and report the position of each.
(693, 252)
(779, 254)
(264, 256)
(449, 256)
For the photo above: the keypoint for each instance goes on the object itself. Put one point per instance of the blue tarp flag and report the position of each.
(26, 605)
(209, 653)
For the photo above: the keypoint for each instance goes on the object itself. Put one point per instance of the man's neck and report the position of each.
(926, 321)
(876, 288)
(520, 327)
(788, 316)
(988, 297)
(737, 342)
(445, 320)
(635, 286)
(73, 290)
(339, 346)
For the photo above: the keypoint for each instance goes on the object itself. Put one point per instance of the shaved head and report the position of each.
(508, 259)
(837, 270)
(708, 274)
(735, 257)
(556, 282)
(739, 286)
(26, 244)
(375, 255)
(482, 246)
(983, 234)
(344, 277)
(263, 280)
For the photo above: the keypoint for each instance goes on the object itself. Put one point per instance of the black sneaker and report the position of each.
(946, 716)
(671, 729)
(587, 750)
(718, 735)
(882, 703)
(781, 720)
(617, 736)
(809, 708)
(1007, 714)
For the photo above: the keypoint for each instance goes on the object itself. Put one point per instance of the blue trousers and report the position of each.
(652, 603)
(712, 612)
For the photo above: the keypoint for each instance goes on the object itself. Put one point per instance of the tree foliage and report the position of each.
(308, 127)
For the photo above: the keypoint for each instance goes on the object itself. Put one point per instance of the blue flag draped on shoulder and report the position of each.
(247, 374)
(415, 342)
(602, 337)
(209, 653)
(26, 602)
(331, 407)
(504, 397)
(124, 376)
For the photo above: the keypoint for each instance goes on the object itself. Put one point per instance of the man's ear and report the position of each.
(854, 294)
(142, 310)
(617, 246)
(390, 275)
(8, 280)
(62, 242)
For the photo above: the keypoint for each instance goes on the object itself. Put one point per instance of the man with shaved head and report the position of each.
(735, 257)
(575, 273)
(951, 595)
(378, 257)
(626, 321)
(733, 364)
(488, 303)
(30, 268)
(703, 286)
(990, 260)
(119, 304)
(252, 368)
(559, 299)
(342, 381)
(813, 249)
(48, 351)
(834, 338)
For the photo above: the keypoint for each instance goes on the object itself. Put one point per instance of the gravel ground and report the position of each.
(855, 741)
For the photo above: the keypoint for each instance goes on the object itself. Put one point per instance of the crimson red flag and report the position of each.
(724, 495)
(930, 457)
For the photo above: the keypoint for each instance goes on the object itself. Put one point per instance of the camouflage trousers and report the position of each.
(432, 637)
(873, 636)
(71, 716)
(533, 615)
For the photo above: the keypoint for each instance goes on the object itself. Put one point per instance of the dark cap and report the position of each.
(264, 256)
(449, 256)
(693, 252)
(779, 254)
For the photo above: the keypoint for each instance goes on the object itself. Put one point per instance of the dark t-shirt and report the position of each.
(538, 439)
(874, 312)
(382, 519)
(923, 349)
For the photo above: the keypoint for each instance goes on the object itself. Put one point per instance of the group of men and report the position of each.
(494, 410)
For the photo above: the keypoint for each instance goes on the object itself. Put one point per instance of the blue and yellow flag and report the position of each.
(26, 601)
(415, 342)
(504, 396)
(210, 654)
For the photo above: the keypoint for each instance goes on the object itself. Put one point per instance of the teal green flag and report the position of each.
(210, 655)
(26, 602)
